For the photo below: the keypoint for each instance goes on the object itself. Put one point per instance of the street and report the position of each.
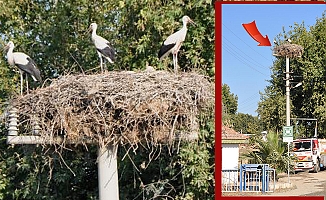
(304, 184)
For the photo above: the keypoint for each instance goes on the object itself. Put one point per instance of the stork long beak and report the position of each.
(5, 48)
(192, 22)
(89, 29)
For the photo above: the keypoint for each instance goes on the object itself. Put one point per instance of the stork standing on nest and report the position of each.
(275, 42)
(24, 63)
(173, 43)
(103, 47)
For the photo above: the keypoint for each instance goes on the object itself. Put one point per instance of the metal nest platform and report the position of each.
(114, 108)
(288, 50)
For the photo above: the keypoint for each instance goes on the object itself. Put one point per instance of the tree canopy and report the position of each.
(307, 101)
(243, 123)
(230, 100)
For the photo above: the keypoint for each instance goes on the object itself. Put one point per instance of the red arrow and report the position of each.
(252, 30)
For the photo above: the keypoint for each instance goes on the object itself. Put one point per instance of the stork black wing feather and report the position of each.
(31, 69)
(164, 49)
(108, 52)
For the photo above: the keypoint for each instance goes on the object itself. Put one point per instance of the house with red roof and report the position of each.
(231, 141)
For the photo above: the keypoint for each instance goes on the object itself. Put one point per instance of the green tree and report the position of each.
(308, 101)
(271, 109)
(247, 124)
(229, 100)
(54, 33)
(243, 123)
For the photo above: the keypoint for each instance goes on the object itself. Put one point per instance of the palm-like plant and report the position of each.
(271, 151)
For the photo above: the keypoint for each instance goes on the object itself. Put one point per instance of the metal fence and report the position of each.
(249, 178)
(230, 180)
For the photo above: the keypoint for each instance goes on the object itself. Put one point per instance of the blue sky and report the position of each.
(246, 66)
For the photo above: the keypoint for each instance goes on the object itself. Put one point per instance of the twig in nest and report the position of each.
(144, 108)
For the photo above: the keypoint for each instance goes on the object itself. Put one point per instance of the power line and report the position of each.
(243, 53)
(245, 101)
(249, 103)
(244, 42)
(241, 60)
(245, 110)
(248, 106)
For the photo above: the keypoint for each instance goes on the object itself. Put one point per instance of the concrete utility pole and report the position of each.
(106, 157)
(108, 173)
(287, 85)
(287, 92)
(288, 108)
(294, 51)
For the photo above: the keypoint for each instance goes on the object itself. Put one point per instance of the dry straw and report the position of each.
(290, 50)
(117, 107)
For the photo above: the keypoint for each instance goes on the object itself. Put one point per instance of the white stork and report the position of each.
(24, 63)
(103, 47)
(173, 43)
(275, 42)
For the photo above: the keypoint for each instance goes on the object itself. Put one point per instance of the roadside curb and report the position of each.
(279, 186)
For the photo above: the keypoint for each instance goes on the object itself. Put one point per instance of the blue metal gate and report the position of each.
(255, 177)
(249, 178)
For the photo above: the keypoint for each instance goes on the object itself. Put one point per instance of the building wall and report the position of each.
(230, 156)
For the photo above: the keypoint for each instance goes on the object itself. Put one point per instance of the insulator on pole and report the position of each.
(36, 127)
(13, 122)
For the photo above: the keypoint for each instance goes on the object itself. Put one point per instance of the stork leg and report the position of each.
(21, 82)
(26, 77)
(174, 63)
(105, 67)
(101, 60)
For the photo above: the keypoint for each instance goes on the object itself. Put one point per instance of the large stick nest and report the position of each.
(119, 107)
(289, 50)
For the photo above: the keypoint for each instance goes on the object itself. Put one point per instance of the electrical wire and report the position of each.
(243, 54)
(241, 60)
(244, 42)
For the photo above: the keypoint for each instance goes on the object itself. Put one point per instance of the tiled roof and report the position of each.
(230, 134)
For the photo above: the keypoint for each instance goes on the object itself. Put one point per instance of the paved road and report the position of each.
(305, 184)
